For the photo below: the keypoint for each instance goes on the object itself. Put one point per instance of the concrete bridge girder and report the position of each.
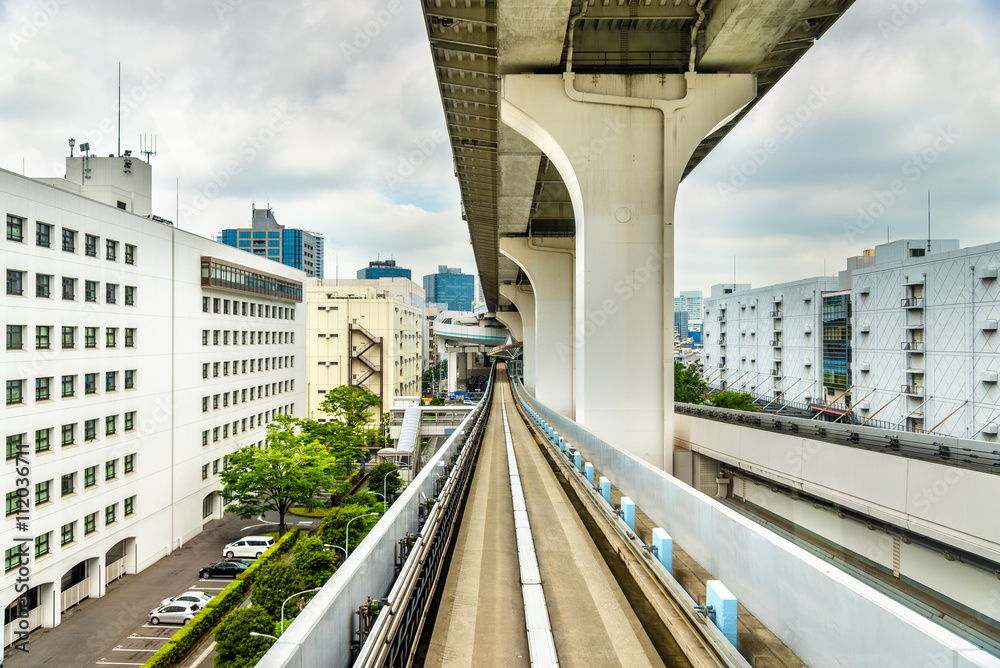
(620, 143)
(524, 299)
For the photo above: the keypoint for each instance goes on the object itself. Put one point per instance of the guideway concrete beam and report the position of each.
(621, 142)
(549, 267)
(524, 299)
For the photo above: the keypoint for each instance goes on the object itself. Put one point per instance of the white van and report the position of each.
(250, 546)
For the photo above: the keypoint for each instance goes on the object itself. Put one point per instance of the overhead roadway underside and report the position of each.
(508, 187)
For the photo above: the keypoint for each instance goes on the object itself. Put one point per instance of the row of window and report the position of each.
(17, 501)
(44, 334)
(221, 337)
(68, 533)
(253, 309)
(215, 468)
(240, 396)
(240, 426)
(91, 289)
(44, 233)
(240, 366)
(45, 386)
(17, 444)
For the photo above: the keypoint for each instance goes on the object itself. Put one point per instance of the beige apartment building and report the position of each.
(364, 333)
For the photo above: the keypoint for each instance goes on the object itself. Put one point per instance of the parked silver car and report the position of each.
(174, 613)
(199, 597)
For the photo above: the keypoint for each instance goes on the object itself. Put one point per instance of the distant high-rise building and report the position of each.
(450, 286)
(383, 269)
(681, 324)
(292, 247)
(689, 302)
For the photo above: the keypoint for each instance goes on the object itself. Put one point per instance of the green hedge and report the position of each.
(191, 634)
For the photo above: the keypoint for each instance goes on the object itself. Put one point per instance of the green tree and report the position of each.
(737, 401)
(436, 401)
(689, 388)
(351, 406)
(334, 527)
(388, 472)
(234, 646)
(313, 562)
(276, 581)
(288, 471)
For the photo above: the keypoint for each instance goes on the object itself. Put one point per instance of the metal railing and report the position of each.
(912, 302)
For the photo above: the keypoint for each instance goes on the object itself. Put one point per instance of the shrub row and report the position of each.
(190, 634)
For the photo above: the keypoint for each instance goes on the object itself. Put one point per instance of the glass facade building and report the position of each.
(292, 247)
(450, 286)
(384, 269)
(837, 341)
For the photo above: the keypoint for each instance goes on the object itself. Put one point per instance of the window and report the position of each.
(204, 437)
(68, 386)
(90, 245)
(129, 463)
(90, 476)
(204, 404)
(42, 388)
(69, 240)
(225, 368)
(111, 469)
(15, 282)
(90, 383)
(68, 484)
(215, 370)
(225, 337)
(14, 503)
(215, 467)
(68, 337)
(43, 234)
(15, 228)
(15, 337)
(225, 306)
(129, 254)
(204, 304)
(129, 505)
(129, 295)
(90, 337)
(67, 533)
(90, 524)
(215, 338)
(42, 544)
(42, 491)
(204, 472)
(130, 337)
(110, 425)
(129, 379)
(111, 293)
(204, 370)
(42, 333)
(110, 514)
(12, 559)
(204, 337)
(208, 505)
(90, 290)
(215, 305)
(69, 289)
(43, 285)
(14, 395)
(111, 381)
(43, 440)
(68, 434)
(215, 434)
(15, 445)
(111, 337)
(112, 250)
(215, 401)
(130, 421)
(90, 430)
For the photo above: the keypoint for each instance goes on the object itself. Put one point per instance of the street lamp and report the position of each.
(347, 530)
(307, 591)
(261, 635)
(337, 547)
(383, 498)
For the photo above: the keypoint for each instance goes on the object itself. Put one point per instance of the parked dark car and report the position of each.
(223, 569)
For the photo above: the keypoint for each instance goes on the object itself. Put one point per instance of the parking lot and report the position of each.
(114, 630)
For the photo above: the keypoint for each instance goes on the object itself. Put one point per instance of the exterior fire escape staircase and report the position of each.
(362, 343)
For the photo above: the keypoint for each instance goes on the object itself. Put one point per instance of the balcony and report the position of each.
(775, 343)
(722, 317)
(914, 325)
(912, 302)
(776, 373)
(913, 346)
(774, 314)
(913, 390)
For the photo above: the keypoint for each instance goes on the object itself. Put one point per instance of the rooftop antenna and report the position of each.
(119, 108)
(147, 146)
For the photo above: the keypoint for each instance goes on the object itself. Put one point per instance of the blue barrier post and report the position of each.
(628, 512)
(725, 607)
(664, 545)
(588, 468)
(578, 461)
(606, 489)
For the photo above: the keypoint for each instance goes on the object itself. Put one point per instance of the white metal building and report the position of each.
(137, 357)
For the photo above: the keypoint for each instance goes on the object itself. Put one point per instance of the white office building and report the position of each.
(137, 357)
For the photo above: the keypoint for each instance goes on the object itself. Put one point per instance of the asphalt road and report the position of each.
(113, 630)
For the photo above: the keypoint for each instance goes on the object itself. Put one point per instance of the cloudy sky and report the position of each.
(291, 103)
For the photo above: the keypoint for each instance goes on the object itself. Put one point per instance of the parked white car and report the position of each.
(175, 613)
(249, 546)
(199, 597)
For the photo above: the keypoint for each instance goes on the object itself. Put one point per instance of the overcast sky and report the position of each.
(290, 103)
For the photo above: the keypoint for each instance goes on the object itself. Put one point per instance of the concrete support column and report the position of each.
(452, 370)
(524, 299)
(620, 143)
(550, 269)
